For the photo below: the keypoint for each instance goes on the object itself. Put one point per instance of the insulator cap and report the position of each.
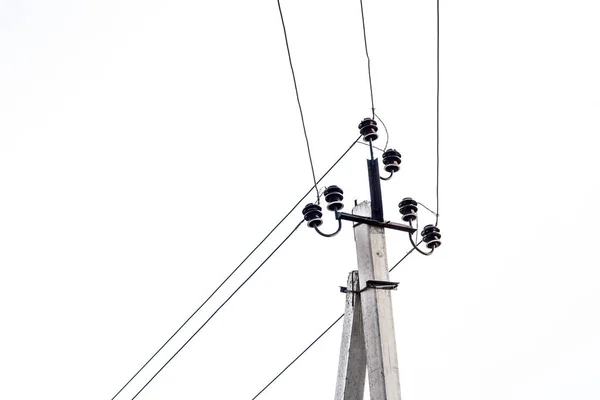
(334, 196)
(431, 236)
(408, 209)
(391, 160)
(312, 215)
(368, 129)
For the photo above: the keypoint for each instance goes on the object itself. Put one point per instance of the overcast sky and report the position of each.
(147, 146)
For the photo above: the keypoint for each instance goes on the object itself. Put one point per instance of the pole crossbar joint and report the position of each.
(359, 219)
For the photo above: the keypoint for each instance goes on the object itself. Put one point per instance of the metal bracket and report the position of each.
(383, 285)
(373, 222)
(372, 284)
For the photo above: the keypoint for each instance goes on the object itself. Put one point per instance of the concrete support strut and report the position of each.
(375, 313)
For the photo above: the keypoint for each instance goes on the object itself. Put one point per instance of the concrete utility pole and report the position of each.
(369, 323)
(369, 341)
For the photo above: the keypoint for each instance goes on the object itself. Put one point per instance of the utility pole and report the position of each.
(368, 338)
(376, 309)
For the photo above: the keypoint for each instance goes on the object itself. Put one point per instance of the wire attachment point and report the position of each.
(432, 236)
(408, 209)
(313, 212)
(334, 196)
(391, 160)
(312, 215)
(368, 129)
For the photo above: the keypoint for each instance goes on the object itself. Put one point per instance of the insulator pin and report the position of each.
(334, 197)
(312, 215)
(391, 160)
(408, 209)
(431, 236)
(368, 129)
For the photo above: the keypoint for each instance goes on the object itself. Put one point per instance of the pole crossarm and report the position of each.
(373, 222)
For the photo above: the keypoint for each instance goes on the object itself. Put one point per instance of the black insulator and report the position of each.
(312, 215)
(408, 209)
(368, 129)
(391, 160)
(334, 196)
(431, 236)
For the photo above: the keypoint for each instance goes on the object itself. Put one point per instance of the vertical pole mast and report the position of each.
(375, 189)
(377, 316)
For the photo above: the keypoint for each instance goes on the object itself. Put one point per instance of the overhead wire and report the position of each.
(387, 134)
(237, 268)
(299, 355)
(437, 184)
(415, 246)
(320, 336)
(287, 45)
(362, 13)
(219, 308)
(427, 208)
(406, 255)
(373, 146)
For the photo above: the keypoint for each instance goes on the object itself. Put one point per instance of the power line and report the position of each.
(375, 147)
(300, 355)
(320, 336)
(287, 45)
(235, 269)
(218, 309)
(387, 134)
(406, 255)
(362, 13)
(427, 208)
(437, 184)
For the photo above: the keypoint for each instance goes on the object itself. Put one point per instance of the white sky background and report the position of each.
(146, 147)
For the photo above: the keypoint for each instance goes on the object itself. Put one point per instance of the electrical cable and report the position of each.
(219, 308)
(320, 336)
(312, 168)
(299, 355)
(375, 147)
(437, 184)
(388, 177)
(427, 208)
(236, 268)
(387, 134)
(415, 245)
(406, 255)
(362, 13)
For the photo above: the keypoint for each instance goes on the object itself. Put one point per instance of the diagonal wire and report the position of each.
(437, 184)
(300, 355)
(427, 208)
(362, 13)
(235, 269)
(406, 255)
(375, 147)
(218, 309)
(287, 45)
(321, 335)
